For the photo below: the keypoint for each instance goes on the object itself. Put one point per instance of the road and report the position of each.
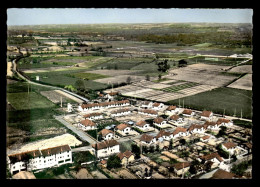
(53, 87)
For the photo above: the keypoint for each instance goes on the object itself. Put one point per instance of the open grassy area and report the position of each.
(217, 100)
(88, 76)
(25, 101)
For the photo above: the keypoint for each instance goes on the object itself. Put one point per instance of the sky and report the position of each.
(37, 16)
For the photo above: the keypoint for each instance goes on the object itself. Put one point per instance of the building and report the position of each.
(93, 116)
(120, 112)
(157, 106)
(212, 157)
(205, 138)
(159, 122)
(195, 128)
(224, 122)
(147, 139)
(123, 128)
(206, 115)
(148, 112)
(230, 147)
(106, 134)
(143, 125)
(111, 95)
(163, 134)
(187, 113)
(146, 104)
(86, 125)
(176, 119)
(172, 110)
(181, 167)
(126, 157)
(211, 125)
(39, 159)
(180, 132)
(105, 148)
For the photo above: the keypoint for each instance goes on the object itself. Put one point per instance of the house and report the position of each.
(120, 112)
(176, 119)
(151, 113)
(211, 125)
(205, 138)
(222, 174)
(147, 139)
(142, 125)
(157, 106)
(172, 110)
(206, 115)
(111, 95)
(93, 116)
(159, 122)
(224, 122)
(180, 132)
(181, 167)
(213, 157)
(106, 134)
(195, 128)
(230, 147)
(86, 125)
(187, 113)
(39, 159)
(247, 146)
(165, 135)
(146, 104)
(105, 148)
(126, 157)
(103, 163)
(124, 128)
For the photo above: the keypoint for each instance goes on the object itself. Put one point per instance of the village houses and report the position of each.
(123, 128)
(86, 125)
(177, 120)
(214, 158)
(148, 112)
(146, 104)
(126, 157)
(172, 110)
(180, 132)
(206, 115)
(159, 122)
(147, 139)
(142, 125)
(105, 148)
(93, 116)
(195, 128)
(187, 113)
(163, 135)
(120, 112)
(106, 134)
(230, 147)
(181, 168)
(157, 106)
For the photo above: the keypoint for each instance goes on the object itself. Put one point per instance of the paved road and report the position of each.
(83, 136)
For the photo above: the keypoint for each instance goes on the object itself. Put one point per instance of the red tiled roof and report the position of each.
(113, 93)
(104, 132)
(171, 107)
(174, 117)
(141, 123)
(87, 122)
(206, 113)
(195, 126)
(156, 104)
(120, 110)
(103, 162)
(222, 120)
(105, 144)
(149, 111)
(122, 126)
(208, 123)
(126, 154)
(162, 133)
(181, 165)
(229, 145)
(146, 138)
(55, 150)
(205, 137)
(222, 174)
(179, 129)
(104, 104)
(187, 111)
(158, 120)
(92, 114)
(22, 156)
(211, 156)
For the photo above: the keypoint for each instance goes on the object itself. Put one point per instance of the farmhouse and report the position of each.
(142, 125)
(188, 112)
(106, 134)
(229, 147)
(157, 106)
(213, 157)
(106, 148)
(224, 122)
(126, 157)
(151, 113)
(195, 128)
(86, 125)
(39, 159)
(181, 167)
(180, 132)
(147, 139)
(94, 116)
(124, 128)
(171, 110)
(164, 135)
(159, 121)
(206, 115)
(120, 112)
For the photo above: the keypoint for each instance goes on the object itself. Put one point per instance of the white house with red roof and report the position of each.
(157, 106)
(123, 128)
(146, 104)
(93, 116)
(180, 132)
(143, 125)
(106, 134)
(171, 110)
(147, 139)
(224, 122)
(188, 113)
(159, 122)
(195, 128)
(229, 147)
(86, 125)
(206, 115)
(105, 148)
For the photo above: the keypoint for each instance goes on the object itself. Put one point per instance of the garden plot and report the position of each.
(119, 79)
(243, 83)
(113, 72)
(123, 89)
(203, 74)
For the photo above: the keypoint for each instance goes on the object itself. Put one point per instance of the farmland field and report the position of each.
(217, 100)
(176, 88)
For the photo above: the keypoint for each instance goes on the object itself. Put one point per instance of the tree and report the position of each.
(136, 151)
(146, 172)
(113, 162)
(79, 85)
(159, 77)
(147, 77)
(170, 145)
(116, 67)
(195, 166)
(163, 66)
(151, 149)
(182, 63)
(145, 150)
(157, 148)
(128, 80)
(182, 141)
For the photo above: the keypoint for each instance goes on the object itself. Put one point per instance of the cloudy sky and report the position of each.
(36, 16)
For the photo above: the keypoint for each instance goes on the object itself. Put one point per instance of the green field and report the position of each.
(25, 101)
(88, 76)
(45, 64)
(180, 87)
(217, 100)
(217, 61)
